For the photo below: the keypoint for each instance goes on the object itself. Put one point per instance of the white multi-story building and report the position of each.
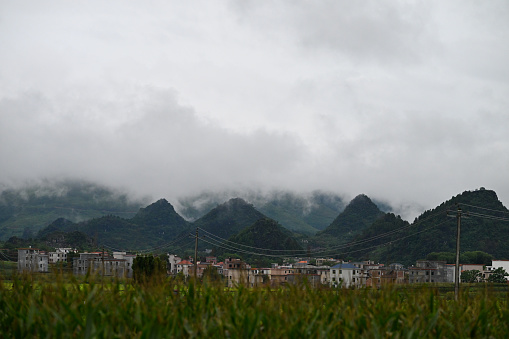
(173, 260)
(347, 275)
(494, 265)
(60, 255)
(185, 267)
(32, 260)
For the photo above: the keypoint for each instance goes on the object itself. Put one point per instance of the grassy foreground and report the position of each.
(70, 308)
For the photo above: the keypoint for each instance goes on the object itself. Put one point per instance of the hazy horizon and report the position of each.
(404, 102)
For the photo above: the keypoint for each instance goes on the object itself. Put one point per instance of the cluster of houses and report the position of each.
(341, 274)
(236, 272)
(119, 264)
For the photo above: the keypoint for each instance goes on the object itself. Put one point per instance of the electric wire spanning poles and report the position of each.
(458, 216)
(196, 254)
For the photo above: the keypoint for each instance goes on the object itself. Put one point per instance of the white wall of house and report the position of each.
(497, 264)
(173, 260)
(347, 275)
(32, 260)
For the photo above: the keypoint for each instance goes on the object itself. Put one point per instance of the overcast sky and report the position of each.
(406, 101)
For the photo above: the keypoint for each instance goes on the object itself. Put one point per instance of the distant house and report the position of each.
(382, 276)
(173, 260)
(347, 275)
(428, 271)
(32, 260)
(212, 260)
(100, 263)
(236, 272)
(258, 276)
(185, 267)
(60, 255)
(279, 275)
(504, 264)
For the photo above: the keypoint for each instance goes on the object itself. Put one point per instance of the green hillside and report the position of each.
(229, 218)
(154, 226)
(24, 211)
(265, 237)
(306, 213)
(358, 215)
(434, 231)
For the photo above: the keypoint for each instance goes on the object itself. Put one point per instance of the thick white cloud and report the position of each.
(406, 101)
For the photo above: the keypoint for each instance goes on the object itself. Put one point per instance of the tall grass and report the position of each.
(73, 308)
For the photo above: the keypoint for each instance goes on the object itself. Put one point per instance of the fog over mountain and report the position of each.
(407, 103)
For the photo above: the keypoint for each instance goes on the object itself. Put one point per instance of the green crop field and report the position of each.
(58, 307)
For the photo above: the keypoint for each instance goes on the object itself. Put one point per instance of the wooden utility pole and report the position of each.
(102, 279)
(196, 254)
(457, 268)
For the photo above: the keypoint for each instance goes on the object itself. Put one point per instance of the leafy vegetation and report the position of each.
(471, 276)
(474, 257)
(498, 276)
(148, 269)
(76, 309)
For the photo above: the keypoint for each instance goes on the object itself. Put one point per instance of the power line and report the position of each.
(351, 244)
(243, 251)
(183, 236)
(238, 244)
(484, 208)
(6, 257)
(325, 250)
(480, 215)
(398, 239)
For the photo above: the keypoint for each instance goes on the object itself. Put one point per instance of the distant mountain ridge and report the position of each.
(262, 236)
(306, 213)
(152, 226)
(360, 231)
(358, 215)
(435, 231)
(25, 211)
(229, 218)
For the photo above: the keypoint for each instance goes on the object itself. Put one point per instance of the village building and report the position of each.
(278, 275)
(32, 260)
(100, 263)
(60, 255)
(347, 275)
(173, 260)
(185, 267)
(504, 264)
(258, 277)
(236, 272)
(382, 276)
(428, 271)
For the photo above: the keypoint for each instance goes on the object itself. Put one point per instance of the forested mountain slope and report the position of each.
(484, 227)
(25, 211)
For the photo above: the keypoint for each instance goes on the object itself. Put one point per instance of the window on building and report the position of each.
(333, 271)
